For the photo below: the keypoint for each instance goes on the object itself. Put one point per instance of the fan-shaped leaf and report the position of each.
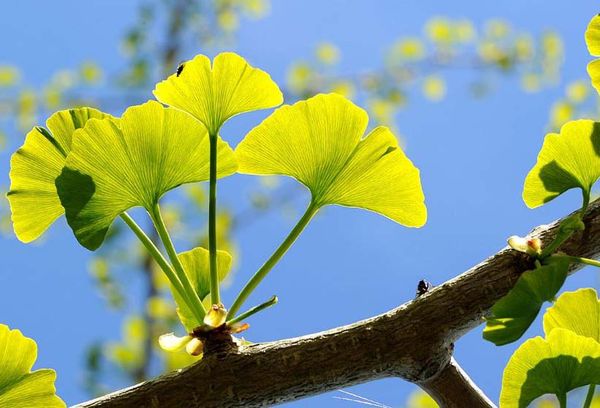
(19, 386)
(512, 315)
(555, 365)
(196, 265)
(114, 166)
(567, 160)
(319, 142)
(577, 311)
(213, 95)
(34, 167)
(592, 39)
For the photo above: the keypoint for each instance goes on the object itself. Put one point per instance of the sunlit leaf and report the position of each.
(19, 386)
(33, 170)
(567, 160)
(116, 165)
(555, 365)
(592, 39)
(577, 311)
(319, 142)
(213, 95)
(512, 315)
(196, 265)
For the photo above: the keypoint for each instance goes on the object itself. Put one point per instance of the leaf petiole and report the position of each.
(212, 222)
(579, 259)
(590, 396)
(193, 300)
(253, 311)
(272, 261)
(157, 255)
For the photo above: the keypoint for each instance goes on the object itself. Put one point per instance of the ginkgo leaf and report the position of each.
(116, 165)
(512, 315)
(319, 142)
(213, 95)
(19, 386)
(567, 160)
(555, 365)
(577, 311)
(592, 39)
(196, 265)
(34, 167)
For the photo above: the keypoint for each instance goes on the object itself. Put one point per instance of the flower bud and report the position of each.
(531, 246)
(216, 316)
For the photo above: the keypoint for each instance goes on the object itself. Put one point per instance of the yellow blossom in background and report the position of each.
(531, 82)
(560, 113)
(577, 91)
(434, 88)
(327, 53)
(90, 72)
(64, 79)
(490, 51)
(410, 48)
(524, 47)
(382, 110)
(438, 30)
(52, 97)
(464, 30)
(256, 8)
(299, 76)
(228, 20)
(344, 88)
(552, 46)
(9, 75)
(420, 399)
(497, 29)
(160, 308)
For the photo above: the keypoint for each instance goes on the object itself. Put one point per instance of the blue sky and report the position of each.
(349, 264)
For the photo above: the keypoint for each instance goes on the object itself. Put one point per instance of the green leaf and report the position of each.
(34, 167)
(567, 160)
(592, 39)
(196, 265)
(319, 142)
(555, 365)
(19, 386)
(116, 165)
(577, 311)
(213, 95)
(512, 315)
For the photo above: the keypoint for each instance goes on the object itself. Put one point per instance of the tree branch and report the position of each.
(413, 342)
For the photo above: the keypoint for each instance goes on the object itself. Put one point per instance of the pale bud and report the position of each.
(531, 246)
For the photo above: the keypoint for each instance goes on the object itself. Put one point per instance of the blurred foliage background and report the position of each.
(165, 30)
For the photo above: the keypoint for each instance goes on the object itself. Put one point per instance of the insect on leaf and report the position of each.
(214, 94)
(116, 165)
(34, 167)
(320, 143)
(19, 386)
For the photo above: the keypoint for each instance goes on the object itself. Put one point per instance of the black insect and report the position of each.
(180, 68)
(423, 287)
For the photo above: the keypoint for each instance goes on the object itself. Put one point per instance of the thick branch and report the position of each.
(413, 341)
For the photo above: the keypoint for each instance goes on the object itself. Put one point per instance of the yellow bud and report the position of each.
(195, 347)
(216, 316)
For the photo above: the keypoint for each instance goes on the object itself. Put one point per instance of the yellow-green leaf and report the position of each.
(116, 165)
(592, 39)
(34, 167)
(196, 265)
(214, 94)
(19, 386)
(320, 143)
(577, 311)
(567, 160)
(555, 365)
(512, 315)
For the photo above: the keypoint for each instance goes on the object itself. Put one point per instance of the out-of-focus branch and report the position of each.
(413, 342)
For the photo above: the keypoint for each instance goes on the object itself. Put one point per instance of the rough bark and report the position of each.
(413, 342)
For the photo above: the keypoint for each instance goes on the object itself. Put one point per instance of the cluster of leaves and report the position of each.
(569, 356)
(93, 167)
